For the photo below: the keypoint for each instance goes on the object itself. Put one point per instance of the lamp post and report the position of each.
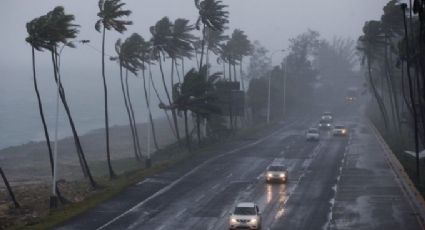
(269, 93)
(54, 197)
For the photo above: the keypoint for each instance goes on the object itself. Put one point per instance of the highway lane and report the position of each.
(204, 199)
(327, 187)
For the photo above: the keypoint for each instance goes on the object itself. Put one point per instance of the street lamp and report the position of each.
(54, 198)
(270, 78)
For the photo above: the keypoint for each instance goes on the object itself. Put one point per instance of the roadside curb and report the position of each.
(414, 197)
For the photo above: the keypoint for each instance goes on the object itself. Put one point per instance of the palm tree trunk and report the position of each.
(149, 110)
(241, 73)
(183, 68)
(128, 114)
(198, 128)
(177, 71)
(173, 111)
(224, 69)
(80, 153)
(40, 107)
(160, 100)
(186, 129)
(133, 117)
(377, 96)
(105, 91)
(9, 189)
(203, 47)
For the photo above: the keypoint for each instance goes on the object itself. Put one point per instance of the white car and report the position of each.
(339, 130)
(276, 173)
(312, 134)
(246, 216)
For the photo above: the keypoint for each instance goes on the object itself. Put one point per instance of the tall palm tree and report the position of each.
(162, 44)
(370, 44)
(212, 15)
(214, 39)
(58, 29)
(110, 14)
(34, 29)
(125, 60)
(242, 48)
(144, 50)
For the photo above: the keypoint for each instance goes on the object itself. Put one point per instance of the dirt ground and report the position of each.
(28, 170)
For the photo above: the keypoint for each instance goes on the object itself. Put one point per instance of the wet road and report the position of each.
(336, 183)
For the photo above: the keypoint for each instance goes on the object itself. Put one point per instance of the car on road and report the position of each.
(312, 134)
(340, 130)
(246, 215)
(277, 173)
(325, 124)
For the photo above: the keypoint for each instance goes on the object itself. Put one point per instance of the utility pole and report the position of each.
(269, 87)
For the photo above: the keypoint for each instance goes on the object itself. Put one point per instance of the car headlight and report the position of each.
(282, 175)
(328, 124)
(344, 131)
(254, 220)
(269, 175)
(233, 220)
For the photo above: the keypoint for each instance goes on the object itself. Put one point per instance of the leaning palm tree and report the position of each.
(162, 44)
(127, 60)
(144, 50)
(58, 29)
(242, 48)
(110, 14)
(369, 45)
(33, 28)
(214, 39)
(212, 15)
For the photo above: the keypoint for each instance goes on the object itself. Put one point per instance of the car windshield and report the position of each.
(245, 211)
(313, 131)
(276, 168)
(339, 127)
(324, 121)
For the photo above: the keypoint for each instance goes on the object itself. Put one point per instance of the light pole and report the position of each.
(270, 79)
(54, 197)
(285, 72)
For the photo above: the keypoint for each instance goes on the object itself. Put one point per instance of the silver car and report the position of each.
(245, 216)
(276, 173)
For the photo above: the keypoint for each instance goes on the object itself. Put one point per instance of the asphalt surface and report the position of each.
(335, 183)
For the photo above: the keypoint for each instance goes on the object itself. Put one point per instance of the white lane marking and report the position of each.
(168, 187)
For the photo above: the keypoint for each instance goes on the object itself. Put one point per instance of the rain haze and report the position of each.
(212, 114)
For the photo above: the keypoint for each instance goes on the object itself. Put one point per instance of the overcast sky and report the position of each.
(272, 22)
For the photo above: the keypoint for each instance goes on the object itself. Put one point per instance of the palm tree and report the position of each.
(58, 29)
(110, 12)
(242, 48)
(369, 45)
(196, 94)
(128, 60)
(34, 28)
(214, 39)
(162, 44)
(144, 49)
(212, 15)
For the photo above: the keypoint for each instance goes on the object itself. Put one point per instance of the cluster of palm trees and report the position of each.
(394, 56)
(171, 42)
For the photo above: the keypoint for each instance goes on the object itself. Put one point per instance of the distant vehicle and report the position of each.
(340, 130)
(327, 116)
(276, 173)
(325, 124)
(312, 134)
(245, 216)
(352, 94)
